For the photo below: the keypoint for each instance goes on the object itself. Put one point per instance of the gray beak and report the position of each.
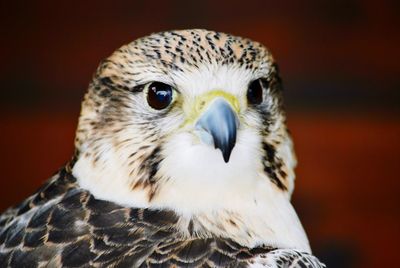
(218, 125)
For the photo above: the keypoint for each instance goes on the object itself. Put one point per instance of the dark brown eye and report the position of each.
(159, 95)
(255, 92)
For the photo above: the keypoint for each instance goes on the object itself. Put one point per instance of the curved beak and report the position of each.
(218, 126)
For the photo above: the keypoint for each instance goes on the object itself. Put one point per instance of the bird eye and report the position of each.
(159, 95)
(255, 92)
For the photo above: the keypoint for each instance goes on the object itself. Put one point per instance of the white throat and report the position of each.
(233, 199)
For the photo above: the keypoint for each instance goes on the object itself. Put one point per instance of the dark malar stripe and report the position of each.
(149, 169)
(152, 163)
(272, 165)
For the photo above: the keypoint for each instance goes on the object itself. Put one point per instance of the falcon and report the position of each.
(182, 159)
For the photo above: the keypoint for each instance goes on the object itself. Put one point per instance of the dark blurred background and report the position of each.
(340, 65)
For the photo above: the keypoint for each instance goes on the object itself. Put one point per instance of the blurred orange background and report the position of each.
(340, 65)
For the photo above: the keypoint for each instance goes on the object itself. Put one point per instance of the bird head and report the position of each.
(187, 119)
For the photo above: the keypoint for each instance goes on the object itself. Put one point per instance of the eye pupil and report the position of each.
(255, 92)
(159, 95)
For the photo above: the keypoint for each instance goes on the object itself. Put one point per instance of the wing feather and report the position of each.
(64, 225)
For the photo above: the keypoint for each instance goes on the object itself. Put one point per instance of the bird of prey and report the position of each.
(182, 159)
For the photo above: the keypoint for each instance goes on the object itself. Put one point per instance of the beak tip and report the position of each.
(227, 151)
(226, 158)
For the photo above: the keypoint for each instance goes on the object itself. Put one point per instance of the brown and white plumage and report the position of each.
(204, 181)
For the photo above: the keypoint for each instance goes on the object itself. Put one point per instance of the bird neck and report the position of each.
(241, 205)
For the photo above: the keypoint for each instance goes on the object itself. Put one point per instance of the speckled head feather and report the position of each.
(134, 155)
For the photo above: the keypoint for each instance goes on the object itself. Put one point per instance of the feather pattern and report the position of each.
(64, 225)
